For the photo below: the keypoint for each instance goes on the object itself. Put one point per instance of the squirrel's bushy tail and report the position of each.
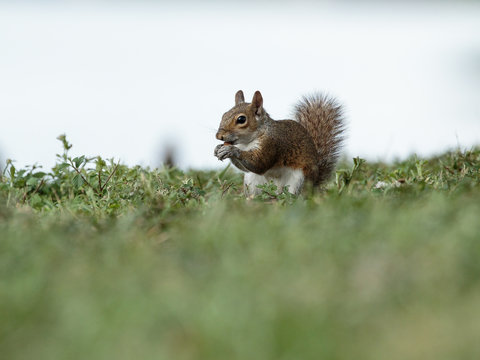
(323, 118)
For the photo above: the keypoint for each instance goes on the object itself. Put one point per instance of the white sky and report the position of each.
(122, 81)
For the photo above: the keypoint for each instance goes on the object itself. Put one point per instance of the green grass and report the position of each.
(105, 261)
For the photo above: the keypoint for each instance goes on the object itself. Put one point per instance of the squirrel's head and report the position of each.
(241, 123)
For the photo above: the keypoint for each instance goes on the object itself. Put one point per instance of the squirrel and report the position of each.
(287, 152)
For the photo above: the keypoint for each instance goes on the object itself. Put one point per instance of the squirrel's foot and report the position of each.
(223, 152)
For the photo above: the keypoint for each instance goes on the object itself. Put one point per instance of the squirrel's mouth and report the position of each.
(231, 142)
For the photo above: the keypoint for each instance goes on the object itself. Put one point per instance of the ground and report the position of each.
(103, 261)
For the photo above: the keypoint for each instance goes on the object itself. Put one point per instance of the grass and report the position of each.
(103, 261)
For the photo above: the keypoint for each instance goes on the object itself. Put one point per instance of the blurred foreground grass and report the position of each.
(102, 261)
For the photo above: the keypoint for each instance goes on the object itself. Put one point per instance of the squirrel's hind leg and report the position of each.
(250, 182)
(294, 179)
(286, 176)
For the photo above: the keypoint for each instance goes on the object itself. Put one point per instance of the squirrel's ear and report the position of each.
(239, 98)
(257, 102)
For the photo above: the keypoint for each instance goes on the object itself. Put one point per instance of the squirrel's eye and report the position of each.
(241, 119)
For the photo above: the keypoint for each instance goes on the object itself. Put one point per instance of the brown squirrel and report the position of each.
(286, 152)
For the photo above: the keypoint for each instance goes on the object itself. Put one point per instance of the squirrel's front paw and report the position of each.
(223, 152)
(218, 147)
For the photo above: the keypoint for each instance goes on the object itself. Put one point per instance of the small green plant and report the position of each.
(343, 178)
(70, 177)
(270, 192)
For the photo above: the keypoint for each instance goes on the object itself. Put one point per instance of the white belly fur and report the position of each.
(285, 176)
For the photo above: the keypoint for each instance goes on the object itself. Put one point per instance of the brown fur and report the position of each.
(323, 118)
(311, 143)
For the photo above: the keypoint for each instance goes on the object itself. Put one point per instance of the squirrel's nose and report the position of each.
(219, 136)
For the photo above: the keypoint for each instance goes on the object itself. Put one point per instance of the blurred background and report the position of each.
(140, 80)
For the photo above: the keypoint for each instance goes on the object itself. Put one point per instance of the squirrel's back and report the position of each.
(323, 118)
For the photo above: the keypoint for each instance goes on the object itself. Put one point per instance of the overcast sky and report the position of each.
(125, 80)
